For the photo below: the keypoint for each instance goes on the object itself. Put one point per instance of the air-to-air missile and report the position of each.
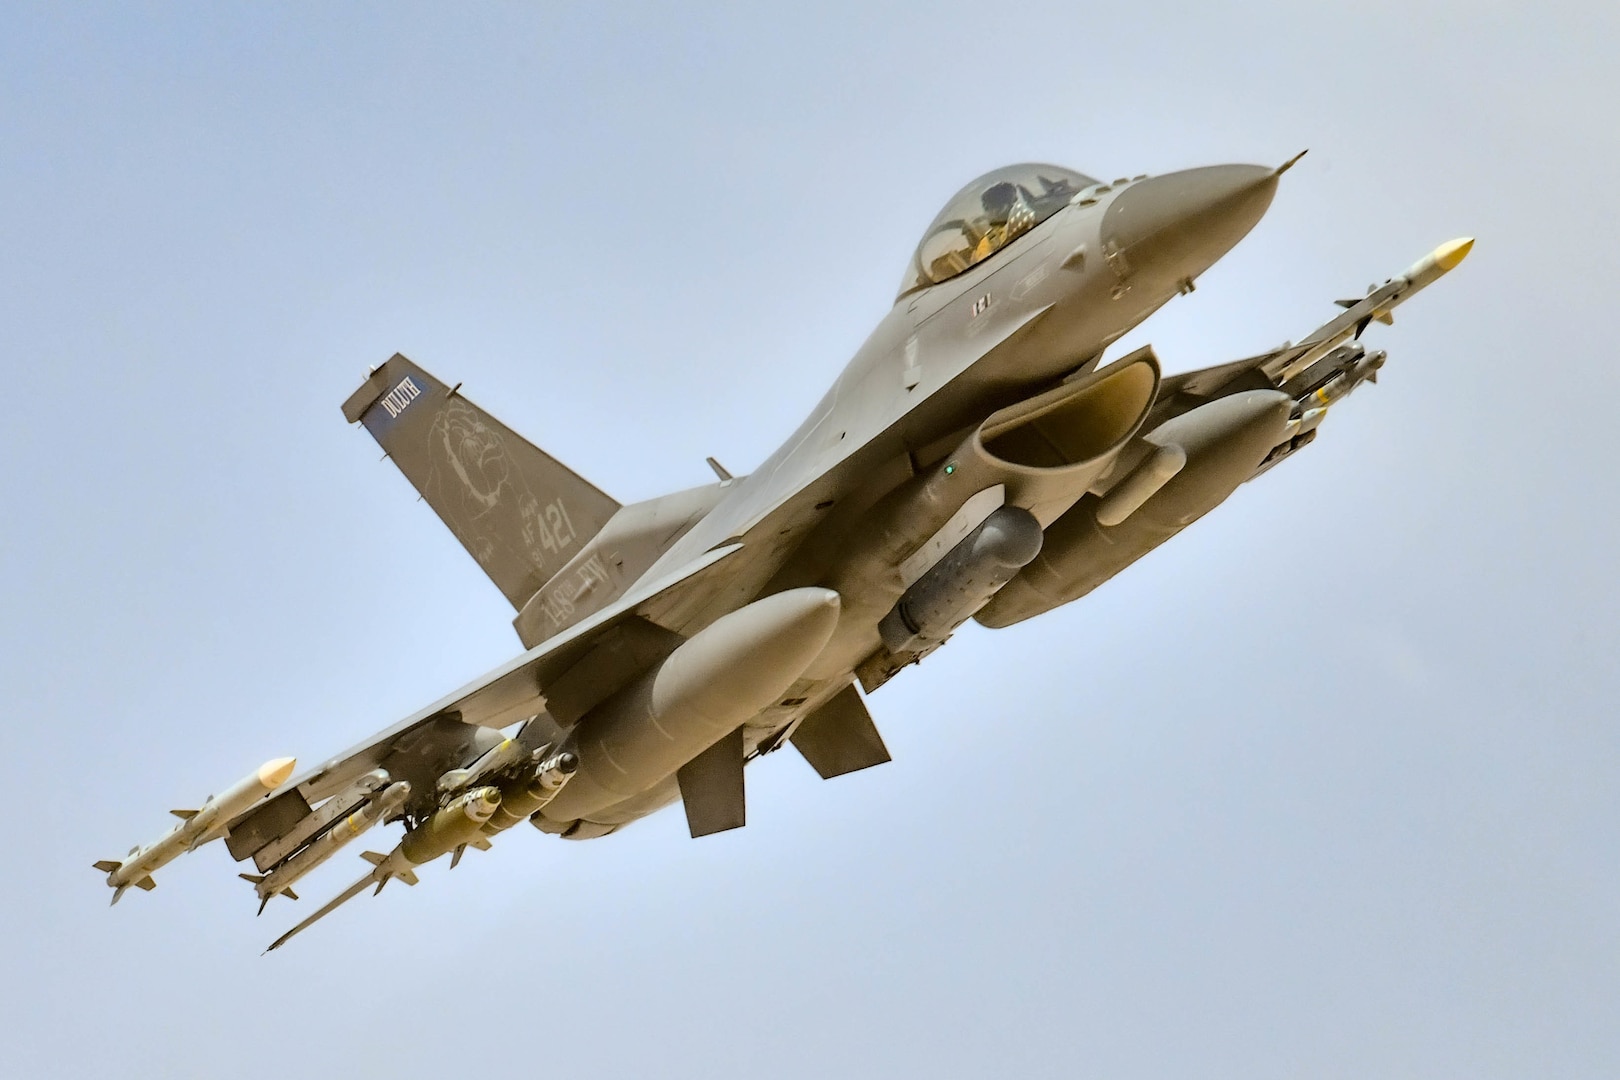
(280, 880)
(196, 827)
(1188, 465)
(453, 827)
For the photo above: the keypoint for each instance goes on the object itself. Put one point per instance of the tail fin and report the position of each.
(519, 512)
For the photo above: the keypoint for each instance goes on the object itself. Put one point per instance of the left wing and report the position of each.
(404, 770)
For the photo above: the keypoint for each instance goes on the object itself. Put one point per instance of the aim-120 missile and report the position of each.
(452, 828)
(196, 827)
(281, 879)
(1379, 304)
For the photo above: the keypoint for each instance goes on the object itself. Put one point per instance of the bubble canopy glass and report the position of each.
(986, 216)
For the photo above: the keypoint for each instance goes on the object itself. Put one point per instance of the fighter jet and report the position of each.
(980, 458)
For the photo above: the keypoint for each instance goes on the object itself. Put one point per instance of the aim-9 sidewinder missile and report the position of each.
(196, 827)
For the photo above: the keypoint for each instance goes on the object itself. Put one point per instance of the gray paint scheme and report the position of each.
(670, 641)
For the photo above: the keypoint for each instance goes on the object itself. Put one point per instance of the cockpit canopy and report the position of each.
(986, 216)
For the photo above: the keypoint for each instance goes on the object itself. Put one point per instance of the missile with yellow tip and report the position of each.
(1442, 260)
(196, 827)
(1378, 305)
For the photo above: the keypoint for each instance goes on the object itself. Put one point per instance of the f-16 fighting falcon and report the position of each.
(977, 459)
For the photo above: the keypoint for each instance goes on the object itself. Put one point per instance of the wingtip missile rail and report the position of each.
(196, 828)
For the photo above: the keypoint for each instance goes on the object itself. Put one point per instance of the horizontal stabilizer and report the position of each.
(107, 866)
(712, 787)
(840, 737)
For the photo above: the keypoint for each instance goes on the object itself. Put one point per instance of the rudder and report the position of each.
(519, 512)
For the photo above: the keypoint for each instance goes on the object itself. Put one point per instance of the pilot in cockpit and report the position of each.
(1006, 214)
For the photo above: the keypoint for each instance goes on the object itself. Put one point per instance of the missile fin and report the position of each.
(480, 843)
(289, 894)
(146, 884)
(107, 866)
(455, 857)
(373, 858)
(118, 894)
(408, 877)
(185, 815)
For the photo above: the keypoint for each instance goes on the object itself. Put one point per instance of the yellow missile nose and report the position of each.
(1452, 252)
(274, 773)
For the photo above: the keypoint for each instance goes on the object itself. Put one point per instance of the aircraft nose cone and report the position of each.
(1176, 226)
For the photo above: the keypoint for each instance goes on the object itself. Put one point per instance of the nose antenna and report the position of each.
(1290, 163)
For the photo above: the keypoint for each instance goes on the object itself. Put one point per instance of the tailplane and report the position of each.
(518, 511)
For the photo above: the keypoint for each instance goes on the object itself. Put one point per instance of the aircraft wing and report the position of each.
(512, 692)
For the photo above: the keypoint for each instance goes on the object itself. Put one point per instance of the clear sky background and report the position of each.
(1328, 786)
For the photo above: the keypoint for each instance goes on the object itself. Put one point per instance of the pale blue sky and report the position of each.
(1328, 786)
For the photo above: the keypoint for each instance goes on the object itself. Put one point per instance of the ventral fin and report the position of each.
(712, 787)
(840, 737)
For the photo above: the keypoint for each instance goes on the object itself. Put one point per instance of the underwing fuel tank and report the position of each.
(1186, 467)
(704, 690)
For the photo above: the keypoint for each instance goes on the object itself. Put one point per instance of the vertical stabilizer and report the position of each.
(518, 511)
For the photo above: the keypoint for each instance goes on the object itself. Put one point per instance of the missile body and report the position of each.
(323, 847)
(1379, 304)
(456, 825)
(196, 827)
(704, 690)
(337, 807)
